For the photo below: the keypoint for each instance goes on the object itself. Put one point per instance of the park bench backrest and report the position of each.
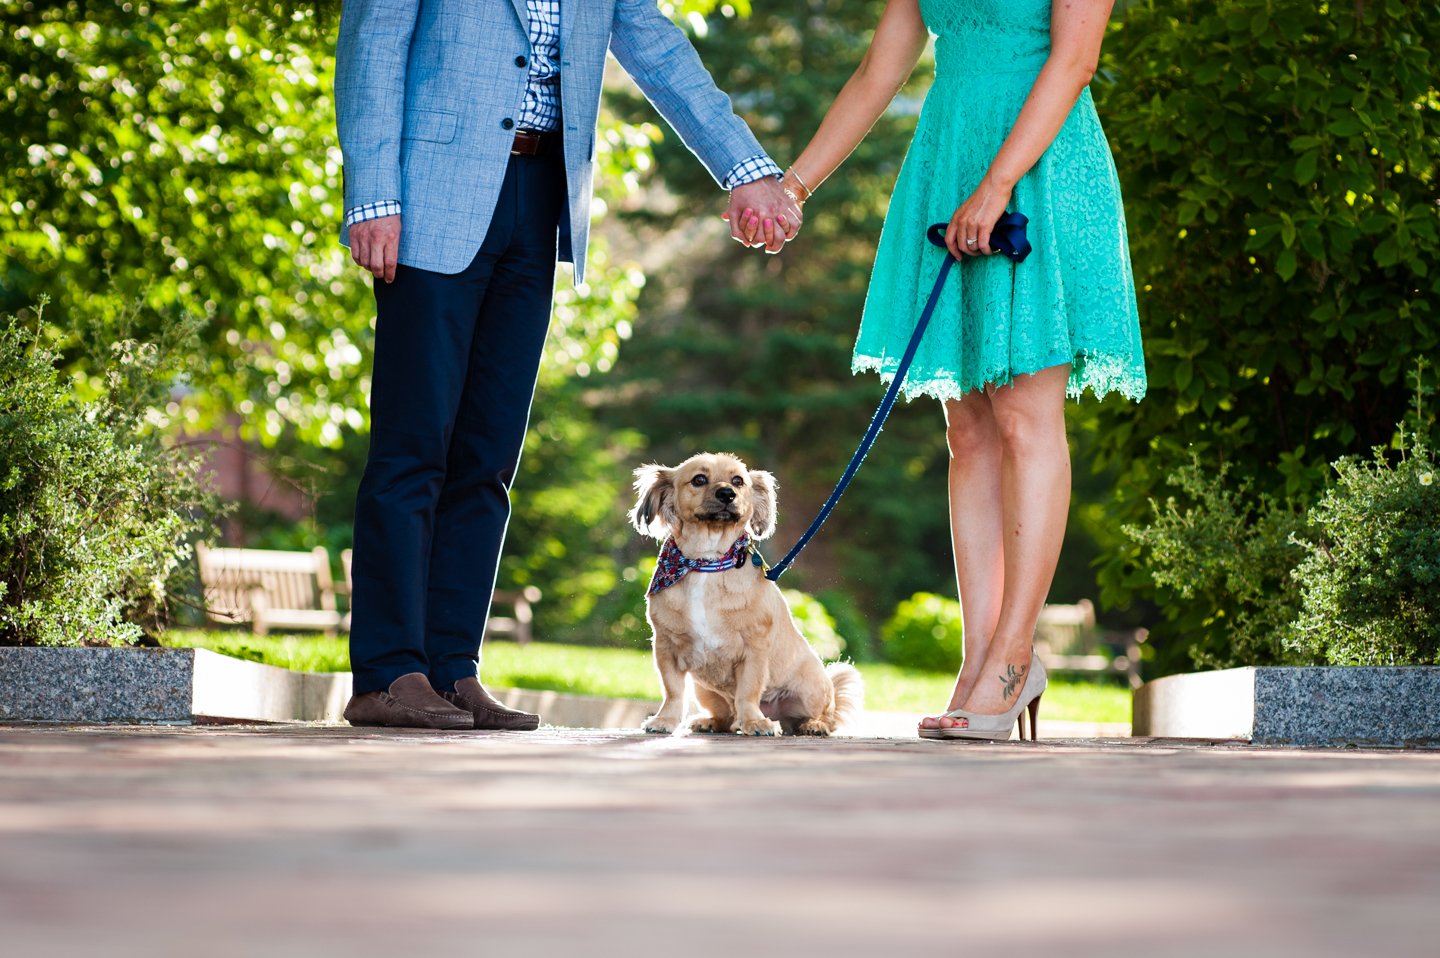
(1067, 639)
(236, 581)
(1068, 629)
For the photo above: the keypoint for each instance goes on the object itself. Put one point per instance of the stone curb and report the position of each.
(570, 710)
(1361, 705)
(161, 686)
(188, 686)
(197, 686)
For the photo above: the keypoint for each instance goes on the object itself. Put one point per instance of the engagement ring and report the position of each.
(971, 242)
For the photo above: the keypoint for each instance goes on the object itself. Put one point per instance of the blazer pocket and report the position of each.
(436, 126)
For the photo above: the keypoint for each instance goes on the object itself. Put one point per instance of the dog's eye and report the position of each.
(698, 481)
(737, 481)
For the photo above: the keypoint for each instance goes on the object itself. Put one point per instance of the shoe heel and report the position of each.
(1034, 709)
(1020, 719)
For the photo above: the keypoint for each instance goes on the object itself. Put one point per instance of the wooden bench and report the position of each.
(516, 628)
(1068, 641)
(269, 589)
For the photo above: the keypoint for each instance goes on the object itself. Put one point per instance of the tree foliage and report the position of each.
(738, 351)
(186, 150)
(1278, 162)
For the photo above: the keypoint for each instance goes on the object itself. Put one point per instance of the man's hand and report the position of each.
(760, 214)
(375, 245)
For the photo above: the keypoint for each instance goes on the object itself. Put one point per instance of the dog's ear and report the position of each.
(654, 513)
(762, 514)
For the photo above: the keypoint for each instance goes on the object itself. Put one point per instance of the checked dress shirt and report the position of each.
(540, 112)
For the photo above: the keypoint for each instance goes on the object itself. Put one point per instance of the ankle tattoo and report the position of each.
(1012, 680)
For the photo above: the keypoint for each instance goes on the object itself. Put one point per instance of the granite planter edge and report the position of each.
(170, 686)
(1368, 706)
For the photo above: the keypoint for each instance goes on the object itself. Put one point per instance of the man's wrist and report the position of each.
(749, 170)
(371, 211)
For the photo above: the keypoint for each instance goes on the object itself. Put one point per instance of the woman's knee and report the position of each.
(1027, 431)
(1030, 412)
(969, 425)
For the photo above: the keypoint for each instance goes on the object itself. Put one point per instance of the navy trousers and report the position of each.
(456, 358)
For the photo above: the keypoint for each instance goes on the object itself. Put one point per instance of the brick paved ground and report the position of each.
(328, 841)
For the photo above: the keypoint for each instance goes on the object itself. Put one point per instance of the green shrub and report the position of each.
(815, 623)
(1371, 580)
(1353, 579)
(1228, 555)
(95, 508)
(926, 632)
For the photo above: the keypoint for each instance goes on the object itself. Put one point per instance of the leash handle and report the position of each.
(936, 235)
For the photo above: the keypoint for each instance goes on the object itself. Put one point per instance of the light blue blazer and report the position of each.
(424, 89)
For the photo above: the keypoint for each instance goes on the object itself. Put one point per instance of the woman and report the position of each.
(1008, 125)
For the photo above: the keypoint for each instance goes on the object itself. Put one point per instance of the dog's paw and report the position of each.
(655, 725)
(760, 726)
(710, 725)
(812, 727)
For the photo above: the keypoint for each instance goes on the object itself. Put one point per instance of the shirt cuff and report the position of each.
(750, 170)
(371, 211)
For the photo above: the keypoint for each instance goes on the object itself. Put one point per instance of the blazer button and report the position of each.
(507, 123)
(521, 62)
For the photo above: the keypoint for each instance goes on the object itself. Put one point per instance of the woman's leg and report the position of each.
(976, 517)
(1035, 482)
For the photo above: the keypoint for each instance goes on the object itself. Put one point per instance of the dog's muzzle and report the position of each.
(720, 515)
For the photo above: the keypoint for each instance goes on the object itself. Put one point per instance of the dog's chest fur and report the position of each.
(704, 613)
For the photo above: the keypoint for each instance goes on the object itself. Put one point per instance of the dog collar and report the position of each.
(672, 566)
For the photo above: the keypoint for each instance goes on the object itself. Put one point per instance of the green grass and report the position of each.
(307, 653)
(628, 673)
(589, 670)
(891, 688)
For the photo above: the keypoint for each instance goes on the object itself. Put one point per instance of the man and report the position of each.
(472, 123)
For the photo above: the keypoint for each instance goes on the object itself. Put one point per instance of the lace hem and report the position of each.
(1098, 370)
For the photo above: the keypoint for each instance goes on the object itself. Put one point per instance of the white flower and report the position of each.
(1426, 478)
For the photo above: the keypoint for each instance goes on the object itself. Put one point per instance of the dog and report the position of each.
(716, 617)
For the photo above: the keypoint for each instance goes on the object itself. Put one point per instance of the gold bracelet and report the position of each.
(788, 192)
(808, 191)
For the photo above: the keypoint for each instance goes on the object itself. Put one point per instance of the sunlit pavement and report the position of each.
(335, 841)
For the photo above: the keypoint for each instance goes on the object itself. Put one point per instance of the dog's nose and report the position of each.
(725, 494)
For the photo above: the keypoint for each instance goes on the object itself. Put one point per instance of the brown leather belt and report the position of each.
(534, 144)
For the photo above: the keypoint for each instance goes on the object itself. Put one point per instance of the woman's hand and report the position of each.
(969, 230)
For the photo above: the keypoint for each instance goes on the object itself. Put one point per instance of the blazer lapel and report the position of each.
(523, 14)
(567, 20)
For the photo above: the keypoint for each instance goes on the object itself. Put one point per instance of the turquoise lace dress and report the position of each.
(1073, 299)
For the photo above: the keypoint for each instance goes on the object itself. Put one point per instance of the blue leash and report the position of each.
(1009, 238)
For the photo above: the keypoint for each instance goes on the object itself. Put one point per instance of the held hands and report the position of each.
(375, 245)
(762, 214)
(969, 231)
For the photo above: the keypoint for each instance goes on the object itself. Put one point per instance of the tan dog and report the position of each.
(730, 630)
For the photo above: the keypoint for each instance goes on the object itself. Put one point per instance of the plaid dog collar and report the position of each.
(672, 566)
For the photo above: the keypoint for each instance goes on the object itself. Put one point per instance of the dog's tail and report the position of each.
(849, 693)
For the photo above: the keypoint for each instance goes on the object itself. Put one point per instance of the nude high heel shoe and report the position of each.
(997, 728)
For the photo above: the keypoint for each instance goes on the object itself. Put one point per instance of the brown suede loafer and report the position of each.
(488, 713)
(409, 703)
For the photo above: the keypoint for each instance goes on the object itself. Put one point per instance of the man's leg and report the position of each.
(504, 359)
(424, 334)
